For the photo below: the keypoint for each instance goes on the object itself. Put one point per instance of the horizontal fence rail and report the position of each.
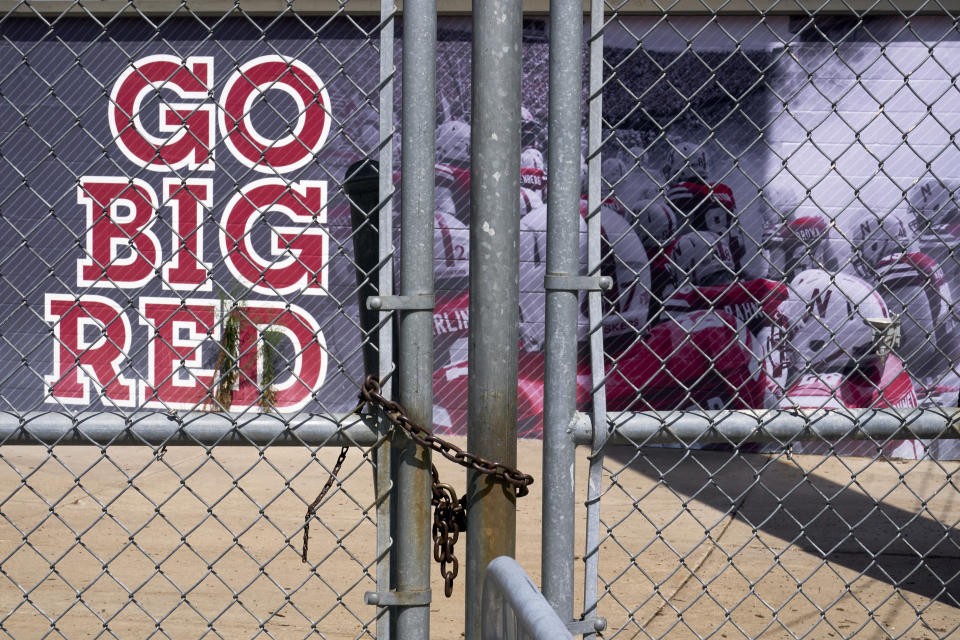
(782, 427)
(206, 430)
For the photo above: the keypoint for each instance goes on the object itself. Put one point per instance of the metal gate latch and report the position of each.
(577, 283)
(416, 302)
(398, 598)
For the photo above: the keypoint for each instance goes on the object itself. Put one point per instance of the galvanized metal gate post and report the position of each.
(385, 474)
(599, 431)
(494, 290)
(412, 542)
(560, 369)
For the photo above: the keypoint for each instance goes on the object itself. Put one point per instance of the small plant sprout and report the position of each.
(272, 363)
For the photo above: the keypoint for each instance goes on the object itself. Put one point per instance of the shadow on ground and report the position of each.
(837, 519)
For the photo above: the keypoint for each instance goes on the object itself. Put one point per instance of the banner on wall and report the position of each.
(173, 224)
(778, 216)
(773, 242)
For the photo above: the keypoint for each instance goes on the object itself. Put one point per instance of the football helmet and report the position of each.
(701, 258)
(689, 162)
(801, 244)
(613, 169)
(660, 163)
(533, 175)
(656, 224)
(834, 323)
(716, 217)
(934, 206)
(453, 143)
(779, 205)
(875, 238)
(638, 153)
(532, 159)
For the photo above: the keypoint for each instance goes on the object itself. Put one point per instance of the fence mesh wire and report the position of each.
(779, 215)
(779, 221)
(177, 242)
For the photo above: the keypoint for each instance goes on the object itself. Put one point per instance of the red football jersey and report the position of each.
(451, 314)
(450, 394)
(697, 360)
(753, 302)
(886, 387)
(693, 199)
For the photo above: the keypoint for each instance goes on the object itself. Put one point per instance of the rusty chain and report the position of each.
(312, 509)
(334, 473)
(370, 394)
(449, 519)
(449, 514)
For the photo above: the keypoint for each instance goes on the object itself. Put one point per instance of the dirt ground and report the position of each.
(206, 544)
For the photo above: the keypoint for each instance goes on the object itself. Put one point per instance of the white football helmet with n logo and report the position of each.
(453, 143)
(875, 238)
(701, 258)
(690, 162)
(656, 224)
(831, 320)
(934, 204)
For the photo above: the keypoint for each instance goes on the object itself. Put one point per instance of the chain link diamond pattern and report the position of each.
(792, 181)
(177, 239)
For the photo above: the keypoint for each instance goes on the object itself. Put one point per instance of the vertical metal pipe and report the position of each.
(563, 248)
(415, 380)
(494, 288)
(595, 474)
(385, 469)
(385, 223)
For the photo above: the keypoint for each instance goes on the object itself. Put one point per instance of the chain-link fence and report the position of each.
(777, 211)
(182, 342)
(198, 203)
